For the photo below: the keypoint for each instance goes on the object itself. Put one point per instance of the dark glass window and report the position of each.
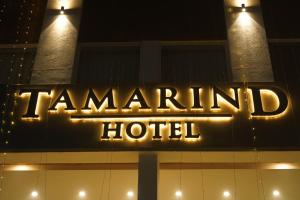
(281, 18)
(108, 65)
(286, 62)
(135, 20)
(286, 67)
(194, 64)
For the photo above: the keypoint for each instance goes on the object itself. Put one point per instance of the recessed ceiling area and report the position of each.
(183, 176)
(122, 184)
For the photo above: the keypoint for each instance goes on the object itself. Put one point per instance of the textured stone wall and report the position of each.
(57, 45)
(248, 46)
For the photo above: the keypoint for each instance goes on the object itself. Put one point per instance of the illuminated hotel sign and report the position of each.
(143, 117)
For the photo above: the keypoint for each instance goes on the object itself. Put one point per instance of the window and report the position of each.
(194, 64)
(108, 65)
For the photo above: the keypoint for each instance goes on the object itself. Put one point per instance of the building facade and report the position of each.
(149, 100)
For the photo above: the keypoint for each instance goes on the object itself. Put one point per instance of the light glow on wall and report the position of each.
(68, 4)
(178, 194)
(226, 194)
(276, 193)
(130, 194)
(34, 194)
(245, 21)
(82, 194)
(61, 24)
(21, 167)
(284, 166)
(238, 3)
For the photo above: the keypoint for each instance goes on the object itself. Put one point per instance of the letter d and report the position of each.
(258, 105)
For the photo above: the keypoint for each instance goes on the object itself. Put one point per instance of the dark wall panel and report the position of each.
(16, 16)
(286, 62)
(281, 18)
(286, 66)
(194, 64)
(108, 65)
(119, 20)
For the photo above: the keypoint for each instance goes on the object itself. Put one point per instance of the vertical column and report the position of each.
(147, 176)
(150, 62)
(57, 44)
(248, 45)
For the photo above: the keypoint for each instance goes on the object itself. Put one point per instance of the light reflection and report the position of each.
(130, 194)
(34, 194)
(82, 194)
(178, 194)
(284, 166)
(226, 194)
(21, 168)
(276, 193)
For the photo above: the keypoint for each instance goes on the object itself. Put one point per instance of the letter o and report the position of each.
(133, 136)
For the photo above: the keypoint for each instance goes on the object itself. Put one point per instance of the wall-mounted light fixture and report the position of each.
(243, 6)
(62, 10)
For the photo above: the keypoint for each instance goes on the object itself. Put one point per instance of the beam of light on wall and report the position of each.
(245, 21)
(61, 24)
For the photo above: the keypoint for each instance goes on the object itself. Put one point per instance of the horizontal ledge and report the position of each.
(134, 166)
(162, 43)
(18, 46)
(287, 40)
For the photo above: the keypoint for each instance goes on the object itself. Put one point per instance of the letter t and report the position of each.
(33, 100)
